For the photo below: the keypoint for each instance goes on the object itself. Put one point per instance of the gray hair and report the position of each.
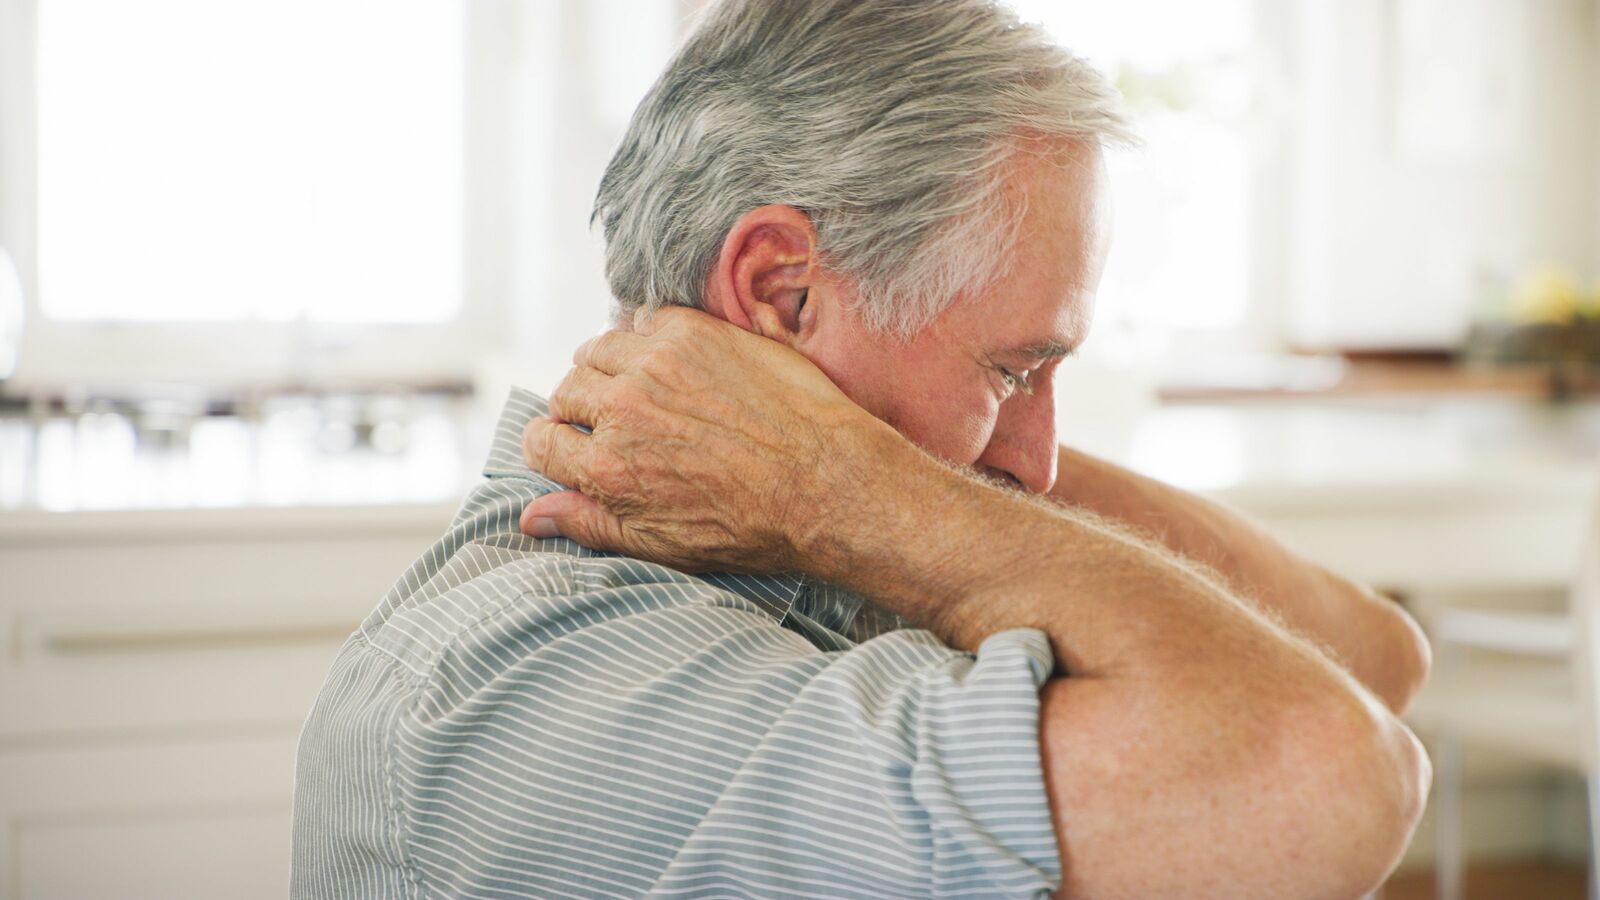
(889, 122)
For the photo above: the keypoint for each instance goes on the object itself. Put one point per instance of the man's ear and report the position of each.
(767, 266)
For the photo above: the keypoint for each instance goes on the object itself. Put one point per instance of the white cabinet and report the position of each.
(151, 817)
(154, 671)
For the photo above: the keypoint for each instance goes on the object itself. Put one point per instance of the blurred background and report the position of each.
(267, 270)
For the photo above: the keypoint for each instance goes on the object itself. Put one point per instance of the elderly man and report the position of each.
(927, 651)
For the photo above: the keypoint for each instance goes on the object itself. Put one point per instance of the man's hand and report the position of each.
(723, 432)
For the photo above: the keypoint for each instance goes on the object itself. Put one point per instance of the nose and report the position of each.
(1023, 445)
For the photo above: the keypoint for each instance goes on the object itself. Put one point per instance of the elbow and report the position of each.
(1409, 656)
(1386, 650)
(1374, 776)
(1396, 776)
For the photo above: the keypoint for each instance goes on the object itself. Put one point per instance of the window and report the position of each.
(247, 195)
(258, 193)
(1181, 259)
(254, 193)
(299, 159)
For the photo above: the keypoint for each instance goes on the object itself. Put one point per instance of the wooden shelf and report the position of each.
(1384, 376)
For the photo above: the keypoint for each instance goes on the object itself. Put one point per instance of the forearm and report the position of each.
(1161, 672)
(1111, 603)
(1381, 645)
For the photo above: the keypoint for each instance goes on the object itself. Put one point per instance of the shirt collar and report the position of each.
(776, 594)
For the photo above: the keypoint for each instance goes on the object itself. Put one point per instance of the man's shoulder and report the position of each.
(488, 597)
(484, 577)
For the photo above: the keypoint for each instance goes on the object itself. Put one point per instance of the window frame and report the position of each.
(98, 355)
(1269, 202)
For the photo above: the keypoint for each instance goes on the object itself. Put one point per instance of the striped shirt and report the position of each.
(532, 718)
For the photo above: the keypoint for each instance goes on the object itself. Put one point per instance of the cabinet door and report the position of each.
(182, 621)
(155, 669)
(198, 819)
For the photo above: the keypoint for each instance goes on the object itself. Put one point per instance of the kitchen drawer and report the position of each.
(186, 621)
(152, 819)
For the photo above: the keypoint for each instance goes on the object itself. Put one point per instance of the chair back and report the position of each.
(1584, 609)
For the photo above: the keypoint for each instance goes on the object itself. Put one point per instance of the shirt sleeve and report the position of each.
(902, 768)
(698, 749)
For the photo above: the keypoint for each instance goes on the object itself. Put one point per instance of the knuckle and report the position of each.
(664, 362)
(627, 397)
(549, 448)
(535, 444)
(656, 363)
(564, 387)
(608, 470)
(527, 434)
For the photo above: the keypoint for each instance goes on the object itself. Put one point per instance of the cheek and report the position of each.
(931, 396)
(954, 425)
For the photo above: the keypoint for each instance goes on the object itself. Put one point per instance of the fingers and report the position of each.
(647, 321)
(609, 352)
(557, 451)
(572, 515)
(615, 352)
(580, 397)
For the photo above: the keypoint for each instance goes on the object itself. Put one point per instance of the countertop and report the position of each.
(1265, 454)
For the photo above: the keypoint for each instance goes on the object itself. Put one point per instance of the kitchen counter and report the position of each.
(1314, 470)
(169, 608)
(294, 452)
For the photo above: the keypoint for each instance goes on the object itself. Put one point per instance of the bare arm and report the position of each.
(1191, 745)
(1192, 729)
(1379, 643)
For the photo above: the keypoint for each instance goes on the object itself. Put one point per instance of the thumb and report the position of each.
(570, 514)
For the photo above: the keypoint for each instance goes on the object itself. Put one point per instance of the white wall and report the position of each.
(578, 68)
(1397, 248)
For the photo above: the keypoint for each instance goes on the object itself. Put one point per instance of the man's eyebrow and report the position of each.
(1043, 350)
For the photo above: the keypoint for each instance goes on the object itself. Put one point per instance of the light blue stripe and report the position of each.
(523, 718)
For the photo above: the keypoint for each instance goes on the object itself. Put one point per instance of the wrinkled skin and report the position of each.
(705, 445)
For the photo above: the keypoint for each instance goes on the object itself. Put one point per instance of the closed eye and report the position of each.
(1016, 380)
